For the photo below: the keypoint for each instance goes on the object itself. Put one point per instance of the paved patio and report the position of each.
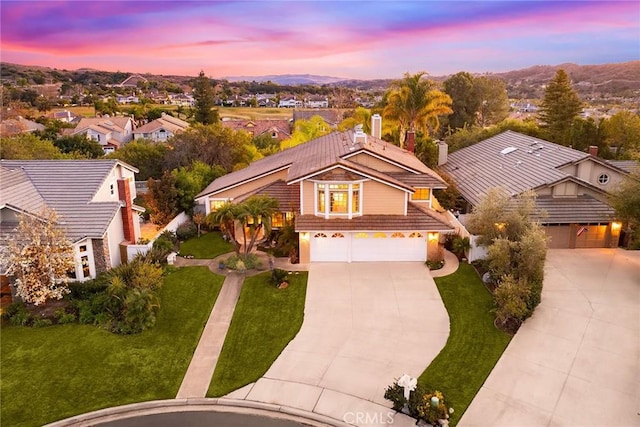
(575, 362)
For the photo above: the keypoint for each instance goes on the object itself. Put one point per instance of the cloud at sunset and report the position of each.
(377, 39)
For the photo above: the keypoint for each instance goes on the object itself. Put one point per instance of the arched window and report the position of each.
(415, 235)
(320, 235)
(337, 235)
(397, 235)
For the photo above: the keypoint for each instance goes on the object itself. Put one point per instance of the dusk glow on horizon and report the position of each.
(350, 39)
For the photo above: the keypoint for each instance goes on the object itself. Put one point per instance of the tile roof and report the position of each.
(581, 209)
(288, 196)
(417, 219)
(631, 166)
(117, 124)
(322, 153)
(166, 122)
(259, 127)
(510, 160)
(68, 186)
(332, 117)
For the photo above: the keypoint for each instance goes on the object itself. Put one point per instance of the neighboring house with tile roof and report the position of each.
(110, 132)
(93, 200)
(161, 129)
(353, 197)
(571, 185)
(18, 125)
(277, 129)
(316, 101)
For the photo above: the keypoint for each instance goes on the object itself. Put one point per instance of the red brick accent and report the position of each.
(411, 141)
(593, 150)
(127, 210)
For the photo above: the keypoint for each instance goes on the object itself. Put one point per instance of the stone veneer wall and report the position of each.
(101, 255)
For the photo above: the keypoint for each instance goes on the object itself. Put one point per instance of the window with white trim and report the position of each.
(215, 204)
(339, 199)
(421, 194)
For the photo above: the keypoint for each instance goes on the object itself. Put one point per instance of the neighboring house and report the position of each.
(64, 116)
(290, 102)
(353, 197)
(110, 132)
(182, 99)
(331, 117)
(277, 129)
(18, 125)
(571, 185)
(161, 129)
(316, 101)
(93, 200)
(127, 99)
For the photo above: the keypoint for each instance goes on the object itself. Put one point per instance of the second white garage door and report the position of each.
(369, 246)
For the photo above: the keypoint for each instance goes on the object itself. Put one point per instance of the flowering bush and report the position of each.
(428, 411)
(419, 404)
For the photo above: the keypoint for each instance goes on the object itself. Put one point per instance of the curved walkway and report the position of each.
(451, 265)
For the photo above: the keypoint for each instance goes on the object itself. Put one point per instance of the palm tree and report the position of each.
(225, 217)
(255, 215)
(416, 104)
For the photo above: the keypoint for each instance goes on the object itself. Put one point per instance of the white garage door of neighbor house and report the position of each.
(369, 246)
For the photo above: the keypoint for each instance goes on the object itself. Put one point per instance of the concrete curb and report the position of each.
(197, 404)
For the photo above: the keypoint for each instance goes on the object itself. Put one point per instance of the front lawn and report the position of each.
(56, 372)
(474, 345)
(208, 245)
(264, 321)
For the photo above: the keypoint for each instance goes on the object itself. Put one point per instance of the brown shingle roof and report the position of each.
(581, 209)
(259, 127)
(417, 219)
(288, 196)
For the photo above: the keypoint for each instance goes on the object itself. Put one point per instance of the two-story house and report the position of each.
(93, 200)
(316, 101)
(161, 129)
(353, 197)
(571, 185)
(290, 102)
(110, 132)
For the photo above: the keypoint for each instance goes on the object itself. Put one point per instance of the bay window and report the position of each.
(338, 199)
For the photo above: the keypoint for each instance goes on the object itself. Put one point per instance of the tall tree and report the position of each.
(79, 145)
(625, 199)
(416, 104)
(40, 258)
(26, 146)
(306, 130)
(464, 102)
(145, 155)
(622, 131)
(560, 106)
(204, 96)
(491, 97)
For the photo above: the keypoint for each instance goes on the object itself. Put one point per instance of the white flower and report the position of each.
(451, 410)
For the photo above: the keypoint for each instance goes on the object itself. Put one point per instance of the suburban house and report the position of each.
(277, 129)
(64, 116)
(127, 99)
(182, 99)
(18, 125)
(161, 129)
(352, 197)
(93, 200)
(290, 102)
(110, 132)
(571, 185)
(316, 101)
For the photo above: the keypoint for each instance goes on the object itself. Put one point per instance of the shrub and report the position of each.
(511, 299)
(249, 262)
(17, 314)
(163, 244)
(67, 318)
(395, 394)
(157, 255)
(278, 276)
(41, 322)
(460, 245)
(86, 290)
(187, 231)
(430, 413)
(435, 265)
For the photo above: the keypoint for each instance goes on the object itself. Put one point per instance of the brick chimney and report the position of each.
(593, 150)
(411, 141)
(124, 194)
(376, 126)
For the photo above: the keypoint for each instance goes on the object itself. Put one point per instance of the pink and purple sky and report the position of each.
(352, 39)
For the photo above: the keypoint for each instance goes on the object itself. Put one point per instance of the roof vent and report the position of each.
(508, 150)
(359, 137)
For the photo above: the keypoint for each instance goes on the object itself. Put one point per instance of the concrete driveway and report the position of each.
(365, 325)
(575, 362)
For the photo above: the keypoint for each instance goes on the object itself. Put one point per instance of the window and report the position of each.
(414, 235)
(338, 199)
(603, 179)
(320, 235)
(112, 189)
(379, 235)
(84, 260)
(214, 205)
(362, 235)
(397, 235)
(277, 220)
(421, 194)
(337, 235)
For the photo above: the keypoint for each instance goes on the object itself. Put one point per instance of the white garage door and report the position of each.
(370, 246)
(397, 246)
(329, 246)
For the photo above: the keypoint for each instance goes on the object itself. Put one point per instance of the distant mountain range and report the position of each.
(593, 81)
(288, 79)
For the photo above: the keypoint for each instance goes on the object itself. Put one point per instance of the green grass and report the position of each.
(209, 245)
(60, 371)
(264, 322)
(474, 345)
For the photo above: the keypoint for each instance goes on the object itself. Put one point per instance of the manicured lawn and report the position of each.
(208, 245)
(474, 345)
(60, 371)
(264, 322)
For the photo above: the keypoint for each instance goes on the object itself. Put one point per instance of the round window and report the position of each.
(603, 179)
